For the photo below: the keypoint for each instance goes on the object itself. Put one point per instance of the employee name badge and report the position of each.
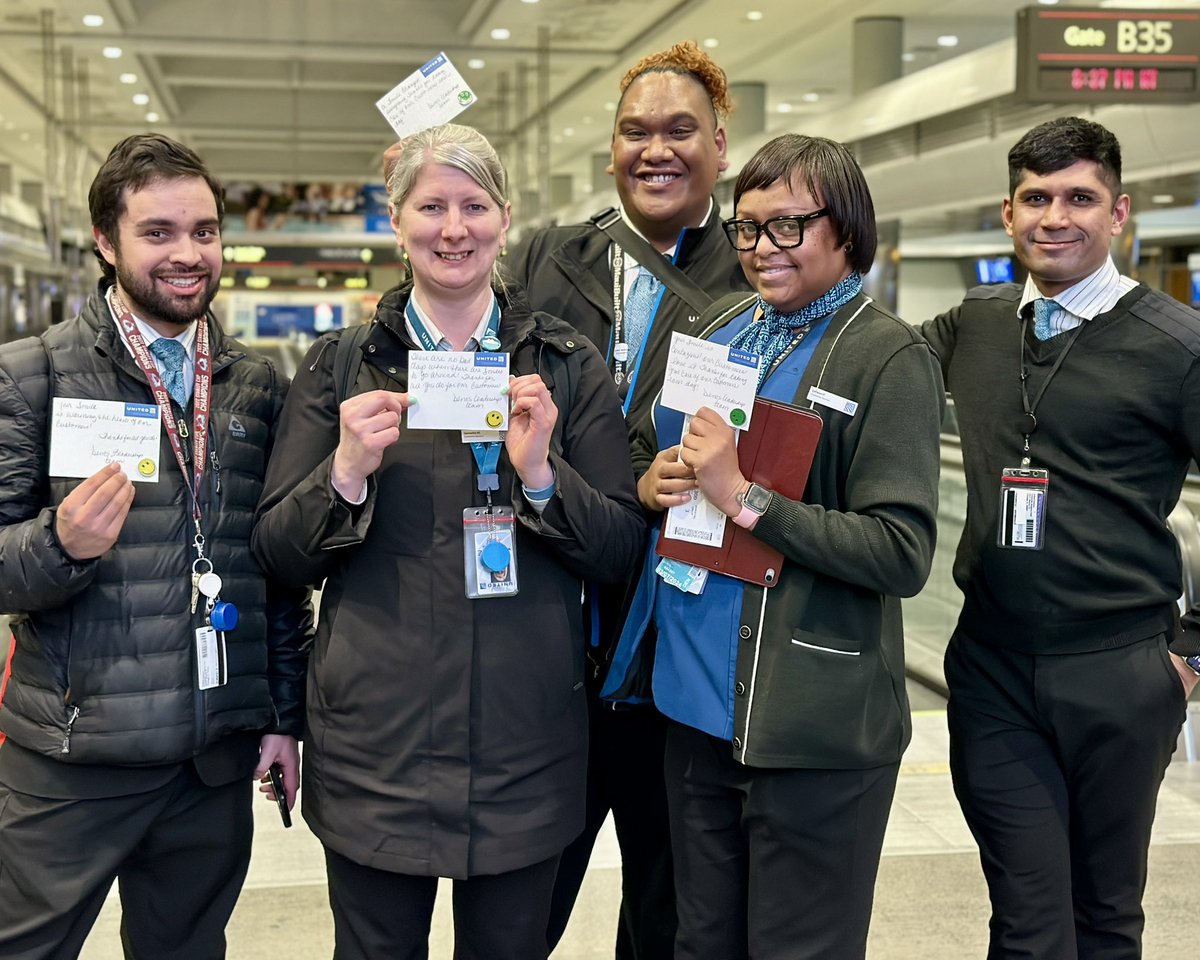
(211, 664)
(489, 552)
(1023, 508)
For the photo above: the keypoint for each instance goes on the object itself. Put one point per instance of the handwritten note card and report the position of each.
(696, 521)
(458, 391)
(705, 374)
(86, 435)
(435, 94)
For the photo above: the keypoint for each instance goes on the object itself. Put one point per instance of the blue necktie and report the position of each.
(638, 306)
(170, 354)
(1043, 312)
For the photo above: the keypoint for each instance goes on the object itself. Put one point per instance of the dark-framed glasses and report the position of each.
(784, 232)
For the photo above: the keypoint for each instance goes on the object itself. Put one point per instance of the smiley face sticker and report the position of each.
(146, 467)
(737, 416)
(494, 419)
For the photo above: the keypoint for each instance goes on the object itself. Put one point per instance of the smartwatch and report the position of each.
(754, 503)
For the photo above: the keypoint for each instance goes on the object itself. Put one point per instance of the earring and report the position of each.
(849, 248)
(404, 255)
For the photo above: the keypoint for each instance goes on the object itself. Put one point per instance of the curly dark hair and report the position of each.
(689, 60)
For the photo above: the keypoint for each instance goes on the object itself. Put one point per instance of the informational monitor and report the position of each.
(994, 270)
(1104, 55)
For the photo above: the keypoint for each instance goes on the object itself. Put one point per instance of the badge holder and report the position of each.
(489, 552)
(1023, 494)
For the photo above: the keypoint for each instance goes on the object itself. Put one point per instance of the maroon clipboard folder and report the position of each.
(777, 453)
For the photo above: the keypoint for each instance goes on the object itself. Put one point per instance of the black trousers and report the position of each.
(1056, 762)
(379, 915)
(625, 775)
(772, 864)
(179, 854)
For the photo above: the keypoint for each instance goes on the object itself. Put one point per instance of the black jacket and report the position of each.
(104, 669)
(566, 272)
(448, 736)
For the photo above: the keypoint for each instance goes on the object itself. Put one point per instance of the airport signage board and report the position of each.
(1104, 55)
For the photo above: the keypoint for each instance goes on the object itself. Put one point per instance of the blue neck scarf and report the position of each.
(775, 332)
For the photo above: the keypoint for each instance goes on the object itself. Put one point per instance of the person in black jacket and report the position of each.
(446, 712)
(1078, 401)
(130, 729)
(668, 148)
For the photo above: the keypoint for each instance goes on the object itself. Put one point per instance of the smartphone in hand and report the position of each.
(276, 775)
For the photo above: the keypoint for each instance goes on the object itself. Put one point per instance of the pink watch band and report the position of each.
(746, 518)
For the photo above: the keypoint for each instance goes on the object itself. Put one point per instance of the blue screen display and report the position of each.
(994, 269)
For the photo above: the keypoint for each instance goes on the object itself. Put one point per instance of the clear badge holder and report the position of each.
(1023, 494)
(489, 552)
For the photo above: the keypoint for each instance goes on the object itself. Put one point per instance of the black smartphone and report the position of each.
(276, 776)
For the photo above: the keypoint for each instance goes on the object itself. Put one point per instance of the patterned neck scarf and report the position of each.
(775, 333)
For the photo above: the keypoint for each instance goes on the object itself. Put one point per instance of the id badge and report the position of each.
(211, 664)
(489, 552)
(1023, 508)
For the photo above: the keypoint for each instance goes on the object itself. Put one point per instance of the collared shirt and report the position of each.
(149, 334)
(632, 267)
(1093, 295)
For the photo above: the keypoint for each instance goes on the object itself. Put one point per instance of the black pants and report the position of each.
(1057, 761)
(772, 864)
(625, 775)
(179, 854)
(379, 915)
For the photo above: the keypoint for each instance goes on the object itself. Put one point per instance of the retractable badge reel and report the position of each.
(489, 553)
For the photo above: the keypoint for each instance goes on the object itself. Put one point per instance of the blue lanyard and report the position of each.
(487, 455)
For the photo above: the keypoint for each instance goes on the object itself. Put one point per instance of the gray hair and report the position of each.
(453, 145)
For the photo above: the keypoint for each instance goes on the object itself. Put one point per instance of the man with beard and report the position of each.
(668, 148)
(154, 669)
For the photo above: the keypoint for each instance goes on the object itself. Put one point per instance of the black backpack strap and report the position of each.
(676, 280)
(348, 358)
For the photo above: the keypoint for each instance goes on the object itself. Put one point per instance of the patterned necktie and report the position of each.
(1044, 311)
(638, 306)
(170, 354)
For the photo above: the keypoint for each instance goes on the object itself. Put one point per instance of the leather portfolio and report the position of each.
(776, 452)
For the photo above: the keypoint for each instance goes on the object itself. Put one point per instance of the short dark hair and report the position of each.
(1061, 143)
(132, 164)
(830, 173)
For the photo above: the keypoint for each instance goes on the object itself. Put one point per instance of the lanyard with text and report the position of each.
(620, 348)
(487, 455)
(1029, 420)
(177, 430)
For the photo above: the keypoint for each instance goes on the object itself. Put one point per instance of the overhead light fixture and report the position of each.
(754, 15)
(568, 131)
(811, 97)
(501, 33)
(1163, 198)
(141, 99)
(947, 40)
(25, 136)
(529, 1)
(475, 63)
(93, 20)
(711, 43)
(610, 105)
(129, 78)
(152, 117)
(1048, 3)
(783, 108)
(112, 53)
(908, 56)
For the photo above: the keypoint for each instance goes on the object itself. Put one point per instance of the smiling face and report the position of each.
(792, 278)
(166, 252)
(1062, 223)
(666, 154)
(452, 230)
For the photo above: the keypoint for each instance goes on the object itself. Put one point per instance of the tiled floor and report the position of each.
(931, 902)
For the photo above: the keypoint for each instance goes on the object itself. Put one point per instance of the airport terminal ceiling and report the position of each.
(285, 90)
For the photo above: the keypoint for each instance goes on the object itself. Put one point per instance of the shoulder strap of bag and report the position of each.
(676, 280)
(348, 358)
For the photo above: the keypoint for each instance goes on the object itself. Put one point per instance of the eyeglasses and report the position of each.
(784, 232)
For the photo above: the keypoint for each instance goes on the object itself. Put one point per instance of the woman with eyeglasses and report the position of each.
(787, 704)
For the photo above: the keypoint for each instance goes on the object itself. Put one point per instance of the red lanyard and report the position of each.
(200, 399)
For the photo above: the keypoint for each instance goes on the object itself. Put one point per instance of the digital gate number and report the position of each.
(1093, 55)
